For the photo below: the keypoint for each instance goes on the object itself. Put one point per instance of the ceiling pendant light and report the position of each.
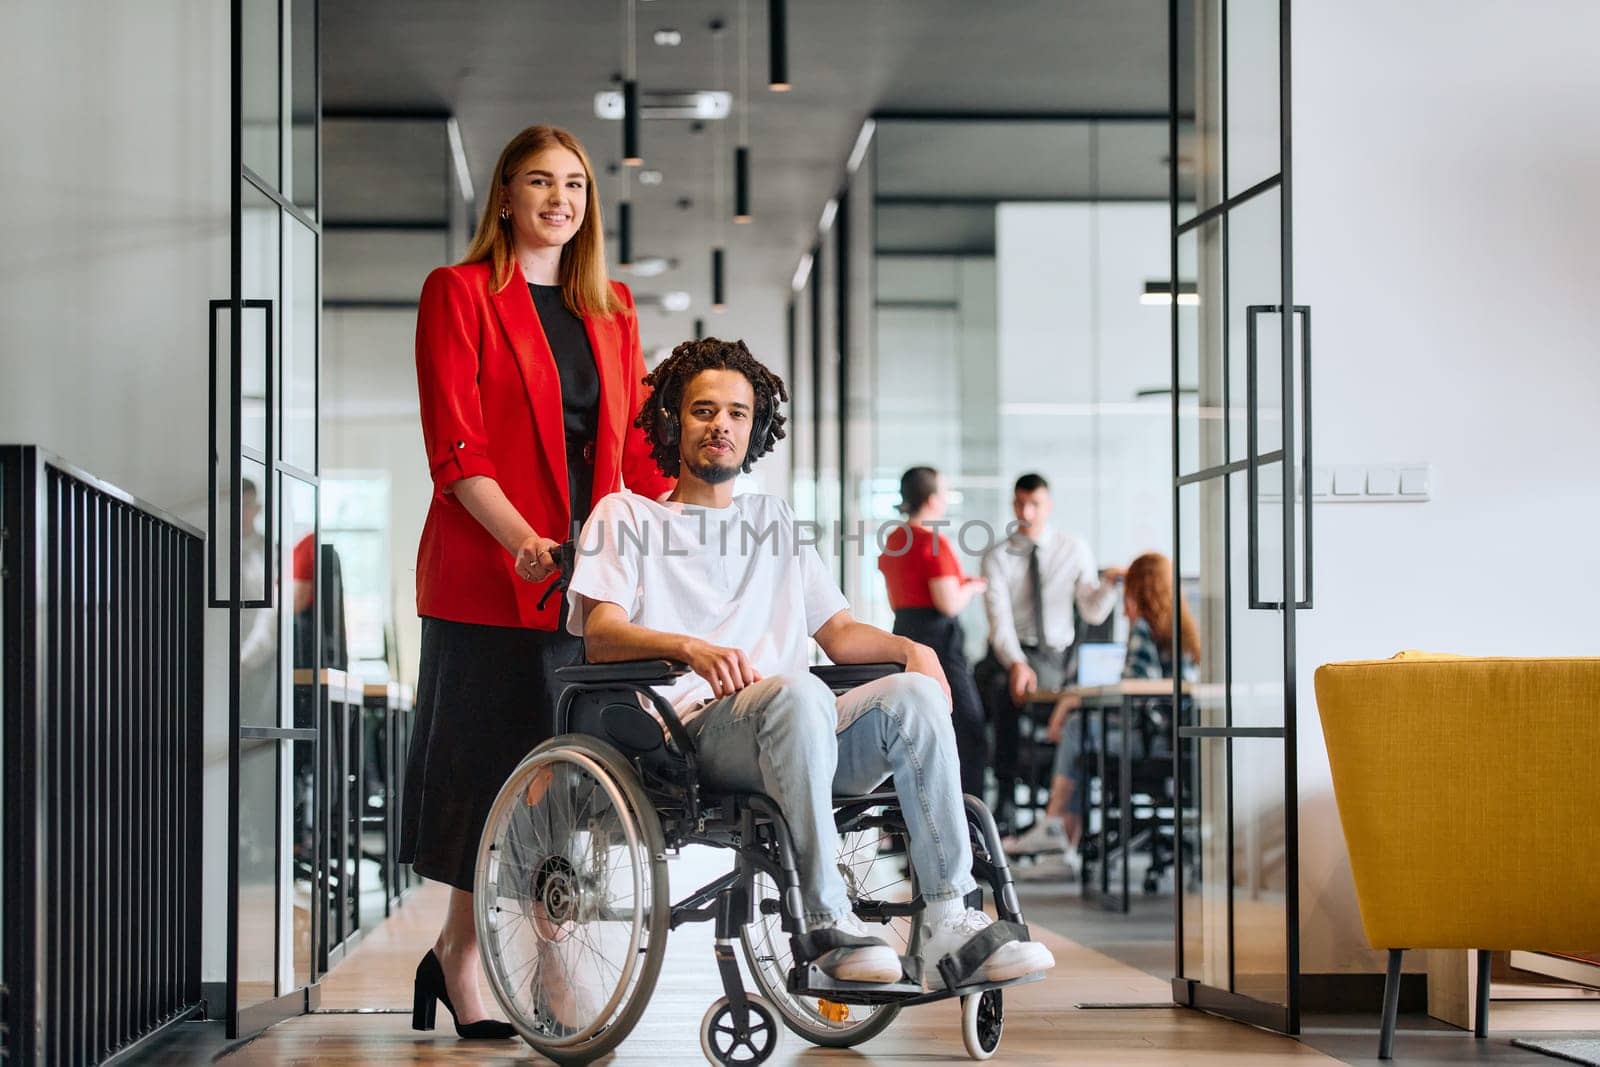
(741, 184)
(631, 155)
(741, 154)
(777, 47)
(719, 296)
(625, 235)
(630, 124)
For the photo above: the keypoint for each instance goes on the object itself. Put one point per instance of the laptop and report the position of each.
(1100, 662)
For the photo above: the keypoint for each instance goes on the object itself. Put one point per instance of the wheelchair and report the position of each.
(572, 903)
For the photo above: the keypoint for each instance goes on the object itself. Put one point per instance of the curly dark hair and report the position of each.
(667, 383)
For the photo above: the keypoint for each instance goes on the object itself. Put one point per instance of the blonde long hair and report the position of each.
(585, 287)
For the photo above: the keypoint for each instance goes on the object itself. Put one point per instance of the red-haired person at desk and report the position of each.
(1147, 601)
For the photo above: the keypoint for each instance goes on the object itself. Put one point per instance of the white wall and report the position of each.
(933, 403)
(371, 422)
(1447, 238)
(114, 200)
(1075, 346)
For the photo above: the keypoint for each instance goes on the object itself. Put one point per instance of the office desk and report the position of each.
(1102, 701)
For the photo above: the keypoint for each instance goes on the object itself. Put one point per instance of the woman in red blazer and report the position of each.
(928, 590)
(530, 374)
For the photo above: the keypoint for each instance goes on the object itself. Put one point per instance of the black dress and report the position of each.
(944, 635)
(486, 695)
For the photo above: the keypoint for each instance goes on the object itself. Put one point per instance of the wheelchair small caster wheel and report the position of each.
(724, 1043)
(1152, 884)
(983, 1017)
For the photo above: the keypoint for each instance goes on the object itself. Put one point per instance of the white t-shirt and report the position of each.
(736, 576)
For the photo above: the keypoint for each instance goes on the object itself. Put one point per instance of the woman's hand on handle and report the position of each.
(536, 558)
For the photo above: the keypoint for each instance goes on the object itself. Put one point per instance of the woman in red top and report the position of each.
(530, 375)
(927, 590)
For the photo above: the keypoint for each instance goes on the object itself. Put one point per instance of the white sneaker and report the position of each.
(867, 963)
(1014, 959)
(1046, 835)
(1055, 867)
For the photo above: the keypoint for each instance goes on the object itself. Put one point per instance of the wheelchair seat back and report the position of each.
(614, 716)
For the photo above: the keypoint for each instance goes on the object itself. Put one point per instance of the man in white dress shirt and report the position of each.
(1036, 576)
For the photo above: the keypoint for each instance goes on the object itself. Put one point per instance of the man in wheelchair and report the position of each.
(725, 585)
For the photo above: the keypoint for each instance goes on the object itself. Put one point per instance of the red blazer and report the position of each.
(491, 405)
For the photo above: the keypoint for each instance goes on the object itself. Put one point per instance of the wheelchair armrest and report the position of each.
(843, 677)
(627, 672)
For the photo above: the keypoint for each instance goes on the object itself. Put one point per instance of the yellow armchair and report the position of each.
(1469, 792)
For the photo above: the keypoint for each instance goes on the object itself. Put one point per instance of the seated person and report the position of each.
(1147, 601)
(723, 584)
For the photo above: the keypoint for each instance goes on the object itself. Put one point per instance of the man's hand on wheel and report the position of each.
(921, 660)
(727, 669)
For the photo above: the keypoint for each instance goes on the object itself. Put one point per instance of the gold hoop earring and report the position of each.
(504, 215)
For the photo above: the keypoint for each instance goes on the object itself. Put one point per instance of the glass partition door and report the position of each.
(264, 505)
(1239, 494)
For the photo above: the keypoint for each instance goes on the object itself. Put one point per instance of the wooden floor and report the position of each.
(1042, 1023)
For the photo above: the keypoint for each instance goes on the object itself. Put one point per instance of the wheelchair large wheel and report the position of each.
(868, 876)
(571, 899)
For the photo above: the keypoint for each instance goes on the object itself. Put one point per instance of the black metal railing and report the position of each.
(100, 764)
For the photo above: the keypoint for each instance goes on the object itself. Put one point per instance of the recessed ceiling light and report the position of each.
(667, 37)
(675, 300)
(704, 104)
(649, 177)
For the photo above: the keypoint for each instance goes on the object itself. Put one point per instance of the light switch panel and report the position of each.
(1349, 481)
(1402, 482)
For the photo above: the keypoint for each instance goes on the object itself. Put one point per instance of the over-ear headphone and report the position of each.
(758, 429)
(667, 428)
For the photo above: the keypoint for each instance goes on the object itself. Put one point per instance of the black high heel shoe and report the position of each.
(429, 993)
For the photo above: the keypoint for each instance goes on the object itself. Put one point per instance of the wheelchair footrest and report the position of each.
(978, 987)
(808, 982)
(807, 979)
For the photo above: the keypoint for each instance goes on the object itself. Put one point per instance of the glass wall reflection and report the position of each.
(1019, 324)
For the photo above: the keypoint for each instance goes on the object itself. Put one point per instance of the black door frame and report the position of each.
(245, 1020)
(1284, 1018)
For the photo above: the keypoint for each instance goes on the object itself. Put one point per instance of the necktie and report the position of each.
(1036, 587)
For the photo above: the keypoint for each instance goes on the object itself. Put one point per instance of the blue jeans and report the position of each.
(781, 737)
(1068, 764)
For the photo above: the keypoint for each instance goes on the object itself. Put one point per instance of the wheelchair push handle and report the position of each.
(566, 555)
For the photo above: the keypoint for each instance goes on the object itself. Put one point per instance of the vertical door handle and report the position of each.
(230, 597)
(1253, 453)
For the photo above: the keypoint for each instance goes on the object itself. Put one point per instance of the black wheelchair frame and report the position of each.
(606, 702)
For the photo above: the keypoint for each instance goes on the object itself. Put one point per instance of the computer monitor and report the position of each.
(1100, 662)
